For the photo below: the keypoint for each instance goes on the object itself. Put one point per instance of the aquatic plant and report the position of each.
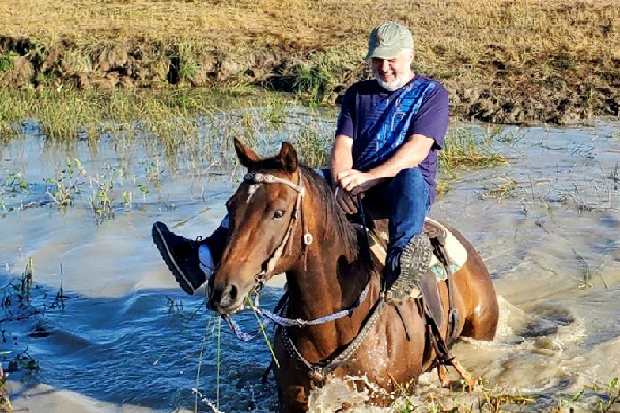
(21, 303)
(596, 397)
(465, 149)
(15, 181)
(26, 284)
(499, 191)
(314, 146)
(63, 188)
(276, 109)
(614, 175)
(171, 115)
(313, 80)
(5, 403)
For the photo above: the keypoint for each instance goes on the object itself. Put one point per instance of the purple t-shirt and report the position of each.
(379, 122)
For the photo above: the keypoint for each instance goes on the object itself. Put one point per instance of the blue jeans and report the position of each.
(404, 200)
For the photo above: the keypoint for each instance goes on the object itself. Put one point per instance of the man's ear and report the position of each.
(288, 157)
(246, 156)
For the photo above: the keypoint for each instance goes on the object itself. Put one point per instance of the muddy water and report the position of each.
(125, 338)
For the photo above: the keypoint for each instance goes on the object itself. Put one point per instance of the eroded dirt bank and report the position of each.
(503, 61)
(503, 97)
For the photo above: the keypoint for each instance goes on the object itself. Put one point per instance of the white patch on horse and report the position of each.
(251, 190)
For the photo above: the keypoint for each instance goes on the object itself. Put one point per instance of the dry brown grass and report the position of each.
(445, 31)
(502, 60)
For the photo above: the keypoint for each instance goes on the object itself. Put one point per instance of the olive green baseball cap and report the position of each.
(387, 40)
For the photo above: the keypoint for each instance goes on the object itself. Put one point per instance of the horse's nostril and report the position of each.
(233, 292)
(224, 298)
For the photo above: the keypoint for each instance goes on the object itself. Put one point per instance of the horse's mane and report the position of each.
(336, 221)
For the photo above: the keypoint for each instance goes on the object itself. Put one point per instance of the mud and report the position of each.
(504, 95)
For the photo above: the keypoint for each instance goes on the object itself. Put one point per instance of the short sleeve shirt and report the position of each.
(380, 122)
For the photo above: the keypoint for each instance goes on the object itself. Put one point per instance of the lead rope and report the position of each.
(360, 208)
(319, 371)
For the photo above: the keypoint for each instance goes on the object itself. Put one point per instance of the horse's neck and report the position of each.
(327, 284)
(331, 280)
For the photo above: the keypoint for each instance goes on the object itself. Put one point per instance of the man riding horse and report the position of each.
(387, 137)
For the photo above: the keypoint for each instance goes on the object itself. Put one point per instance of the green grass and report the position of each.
(65, 113)
(466, 150)
(6, 62)
(313, 81)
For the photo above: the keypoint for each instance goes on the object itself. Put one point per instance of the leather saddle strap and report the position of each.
(453, 313)
(441, 349)
(454, 318)
(429, 288)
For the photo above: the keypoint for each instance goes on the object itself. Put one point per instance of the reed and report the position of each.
(67, 114)
(466, 150)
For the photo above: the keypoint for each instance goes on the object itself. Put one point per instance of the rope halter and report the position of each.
(270, 265)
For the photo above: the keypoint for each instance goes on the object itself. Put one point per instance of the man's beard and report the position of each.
(395, 84)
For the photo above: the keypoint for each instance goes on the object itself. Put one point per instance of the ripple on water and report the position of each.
(546, 321)
(136, 348)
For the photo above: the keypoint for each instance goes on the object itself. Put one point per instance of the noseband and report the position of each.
(270, 264)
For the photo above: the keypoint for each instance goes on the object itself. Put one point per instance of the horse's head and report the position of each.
(266, 220)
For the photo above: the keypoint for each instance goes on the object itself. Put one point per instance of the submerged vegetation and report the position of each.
(597, 397)
(109, 189)
(66, 114)
(464, 149)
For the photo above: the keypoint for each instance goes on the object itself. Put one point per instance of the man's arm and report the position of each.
(409, 155)
(342, 160)
(414, 151)
(341, 157)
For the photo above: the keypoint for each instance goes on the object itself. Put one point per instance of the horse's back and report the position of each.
(476, 296)
(479, 308)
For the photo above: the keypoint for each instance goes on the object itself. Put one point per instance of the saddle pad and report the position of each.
(457, 254)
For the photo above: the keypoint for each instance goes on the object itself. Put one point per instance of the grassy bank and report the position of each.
(502, 60)
(65, 113)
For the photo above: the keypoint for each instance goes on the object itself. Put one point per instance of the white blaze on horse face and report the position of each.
(251, 190)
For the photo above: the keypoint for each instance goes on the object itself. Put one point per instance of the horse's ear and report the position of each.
(247, 156)
(288, 157)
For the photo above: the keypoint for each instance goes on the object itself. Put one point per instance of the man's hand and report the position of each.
(347, 202)
(356, 182)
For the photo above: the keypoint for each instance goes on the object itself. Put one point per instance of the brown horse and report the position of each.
(284, 219)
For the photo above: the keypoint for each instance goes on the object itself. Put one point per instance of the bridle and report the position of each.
(316, 372)
(286, 243)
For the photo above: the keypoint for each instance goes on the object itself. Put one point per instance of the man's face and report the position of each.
(392, 73)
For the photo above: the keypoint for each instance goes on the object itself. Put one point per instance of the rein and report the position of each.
(316, 372)
(273, 317)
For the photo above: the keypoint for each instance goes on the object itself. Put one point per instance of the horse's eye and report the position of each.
(278, 215)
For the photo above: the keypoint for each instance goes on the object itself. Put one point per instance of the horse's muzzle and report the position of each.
(226, 300)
